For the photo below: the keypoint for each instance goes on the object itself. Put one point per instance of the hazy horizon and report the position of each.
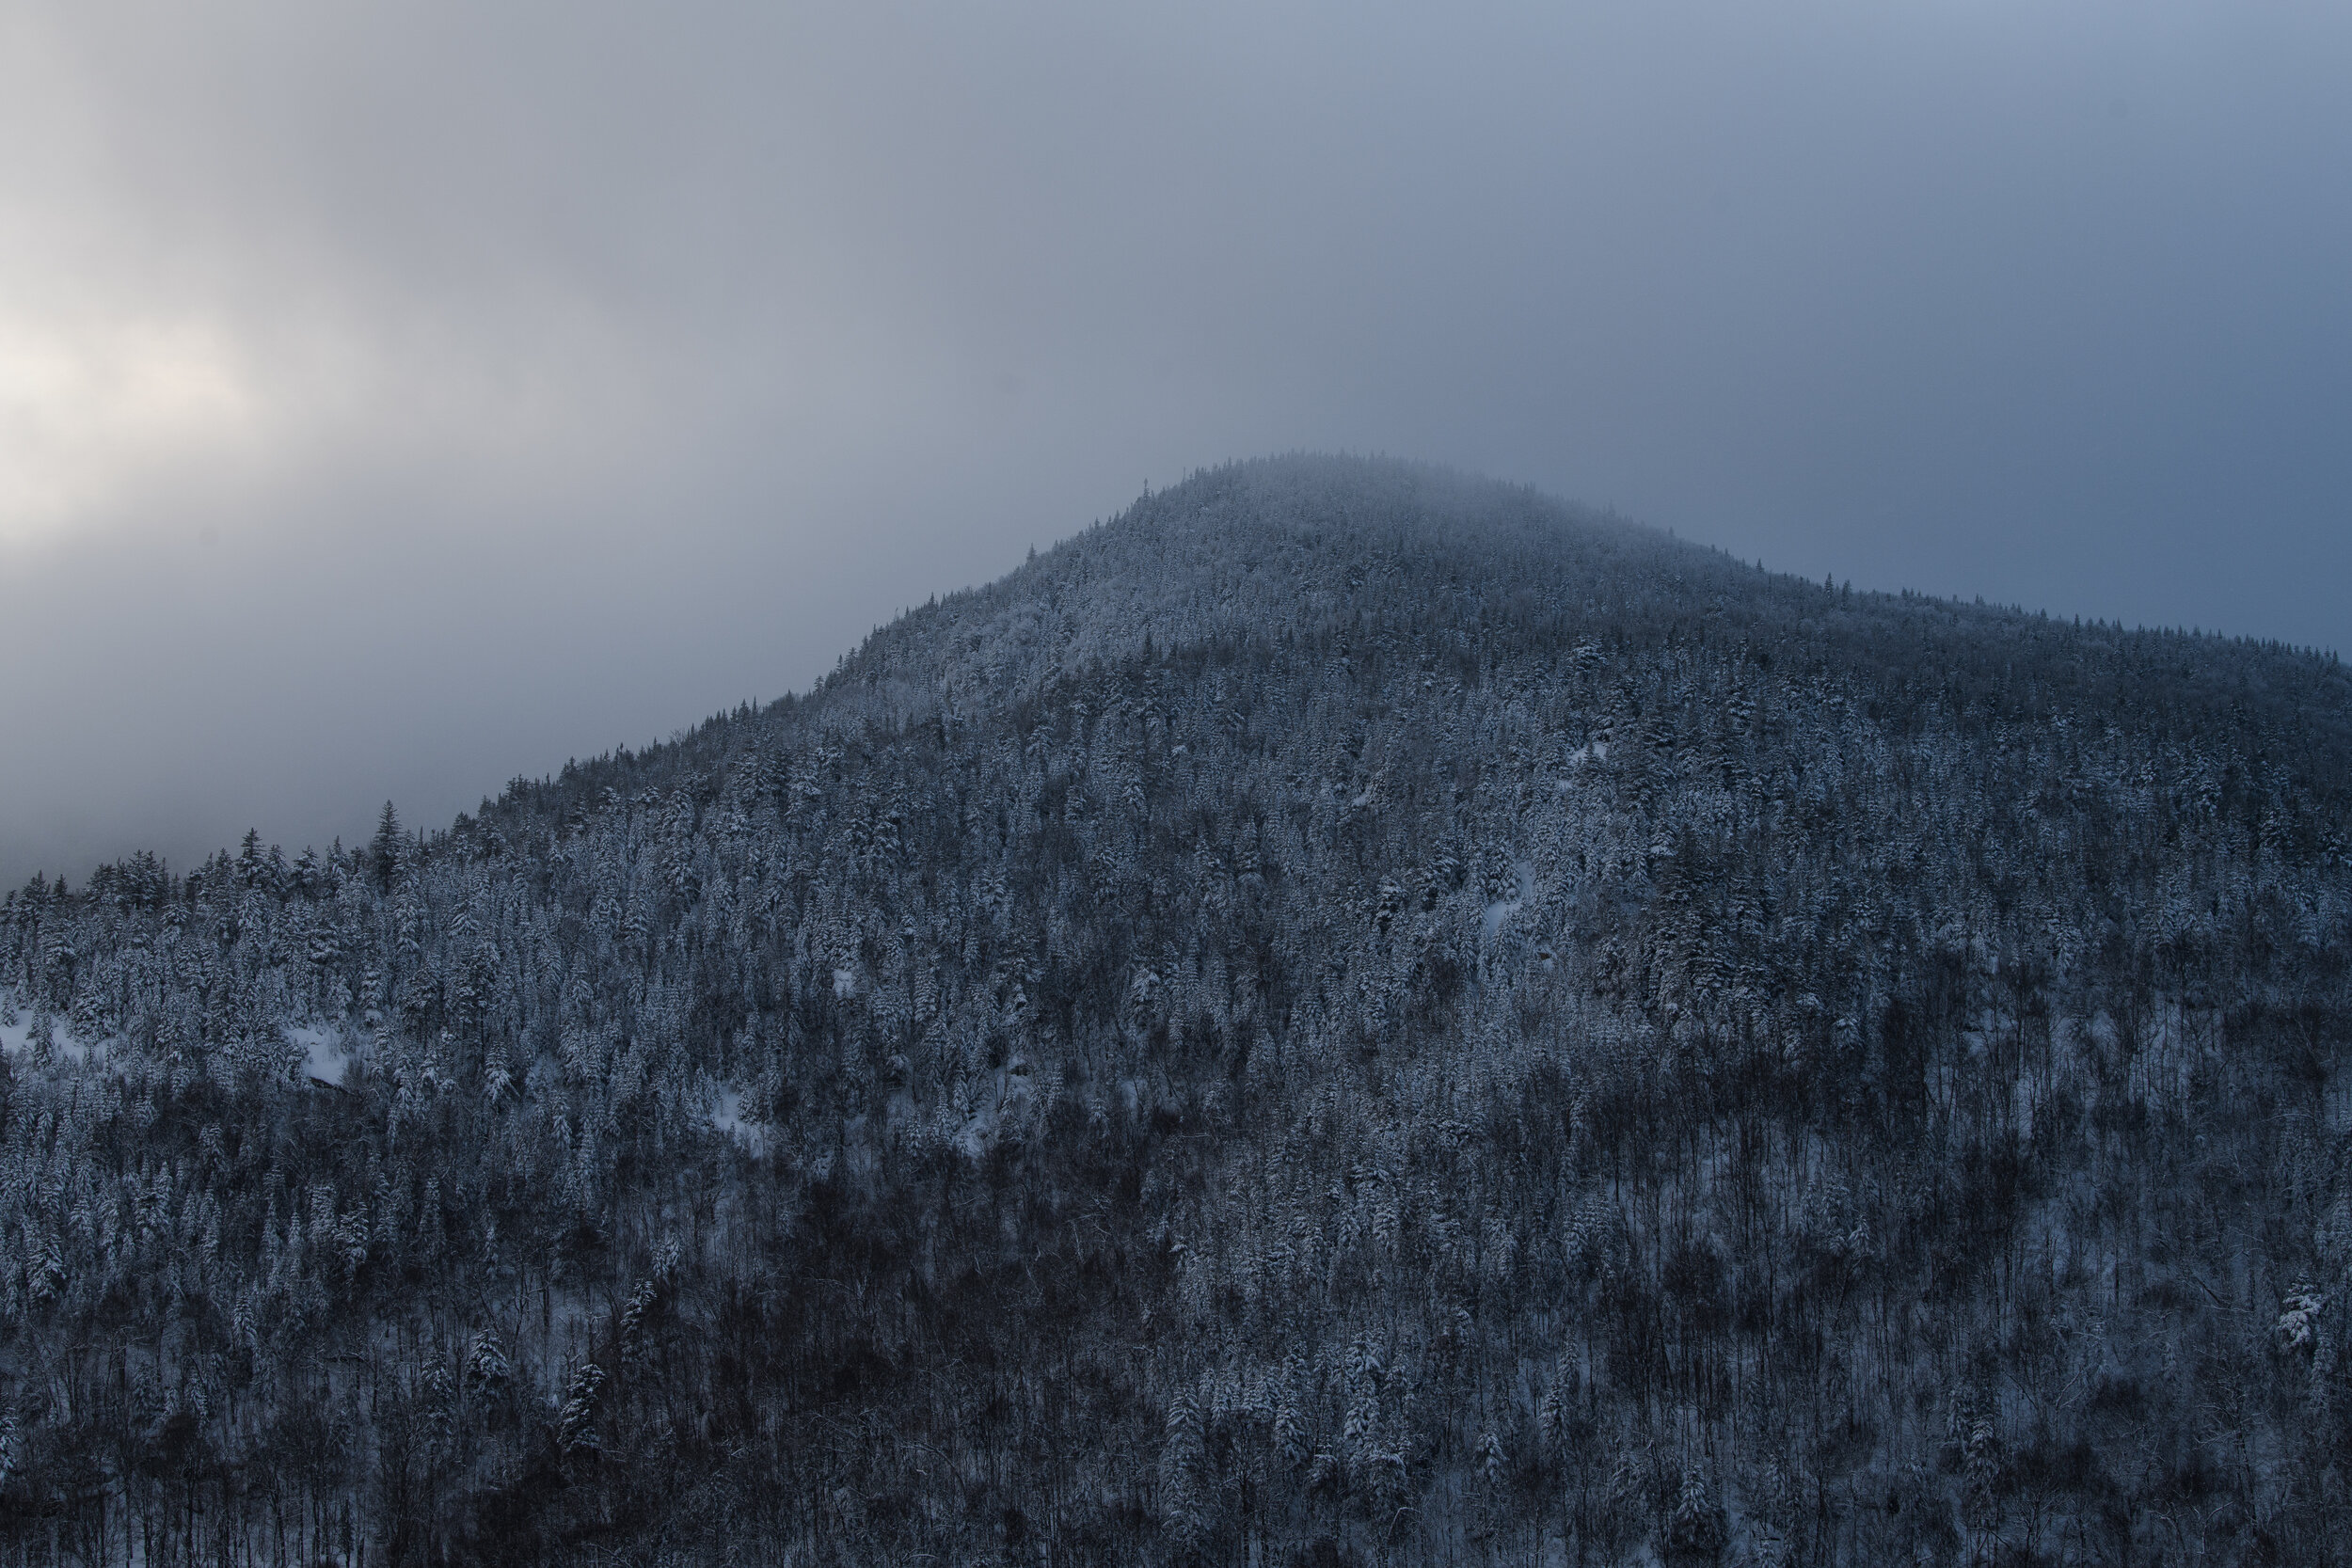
(402, 400)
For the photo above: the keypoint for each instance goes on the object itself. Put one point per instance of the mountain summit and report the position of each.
(1349, 1014)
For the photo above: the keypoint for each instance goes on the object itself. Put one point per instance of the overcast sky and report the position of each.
(398, 398)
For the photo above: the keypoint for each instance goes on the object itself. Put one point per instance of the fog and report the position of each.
(394, 400)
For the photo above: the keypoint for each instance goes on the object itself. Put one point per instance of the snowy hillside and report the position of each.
(1349, 1014)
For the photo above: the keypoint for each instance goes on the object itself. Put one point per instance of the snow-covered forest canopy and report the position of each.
(1350, 1014)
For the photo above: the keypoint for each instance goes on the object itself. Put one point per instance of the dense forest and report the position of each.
(1350, 1014)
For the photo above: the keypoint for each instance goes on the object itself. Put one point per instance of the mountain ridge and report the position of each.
(1301, 486)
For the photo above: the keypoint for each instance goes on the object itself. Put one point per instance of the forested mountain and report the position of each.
(1347, 1015)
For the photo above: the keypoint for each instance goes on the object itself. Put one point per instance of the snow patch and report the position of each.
(1591, 752)
(1005, 1093)
(1504, 909)
(727, 1116)
(978, 1132)
(325, 1057)
(16, 1039)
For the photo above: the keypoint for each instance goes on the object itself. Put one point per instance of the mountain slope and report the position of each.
(1351, 1013)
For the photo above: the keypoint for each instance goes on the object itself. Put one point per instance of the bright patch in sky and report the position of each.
(86, 404)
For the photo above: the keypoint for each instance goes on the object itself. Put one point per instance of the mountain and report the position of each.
(1350, 1014)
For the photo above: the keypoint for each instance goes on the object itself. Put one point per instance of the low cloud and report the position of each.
(394, 398)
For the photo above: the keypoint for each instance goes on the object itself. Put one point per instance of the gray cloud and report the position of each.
(394, 398)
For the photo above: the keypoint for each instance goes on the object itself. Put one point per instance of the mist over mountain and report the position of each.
(1349, 1014)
